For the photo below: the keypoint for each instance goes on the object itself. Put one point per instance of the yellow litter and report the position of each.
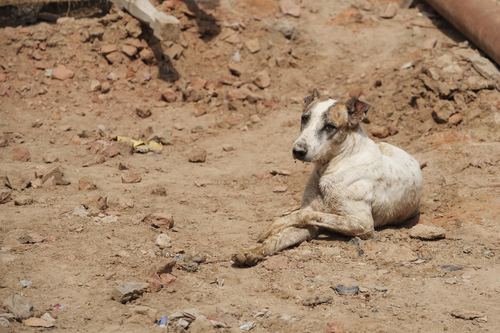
(141, 146)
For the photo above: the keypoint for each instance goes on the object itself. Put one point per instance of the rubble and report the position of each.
(427, 232)
(128, 291)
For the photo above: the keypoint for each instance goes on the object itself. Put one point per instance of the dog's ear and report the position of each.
(357, 110)
(309, 99)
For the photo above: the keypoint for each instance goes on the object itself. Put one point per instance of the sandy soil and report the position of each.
(343, 48)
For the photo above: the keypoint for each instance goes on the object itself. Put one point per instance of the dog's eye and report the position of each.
(330, 127)
(304, 118)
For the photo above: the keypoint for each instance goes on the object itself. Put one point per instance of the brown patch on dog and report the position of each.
(337, 114)
(309, 102)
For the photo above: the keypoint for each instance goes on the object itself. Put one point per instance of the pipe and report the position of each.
(478, 20)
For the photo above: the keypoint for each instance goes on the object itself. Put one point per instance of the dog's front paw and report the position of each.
(245, 258)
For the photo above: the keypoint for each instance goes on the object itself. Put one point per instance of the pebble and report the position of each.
(37, 322)
(427, 232)
(381, 289)
(280, 189)
(58, 174)
(163, 241)
(455, 119)
(109, 151)
(451, 268)
(128, 291)
(48, 318)
(380, 132)
(313, 301)
(5, 196)
(130, 177)
(262, 80)
(147, 56)
(105, 87)
(129, 50)
(227, 147)
(236, 69)
(21, 155)
(95, 85)
(62, 73)
(17, 180)
(23, 200)
(107, 49)
(159, 190)
(169, 95)
(389, 10)
(50, 158)
(197, 155)
(290, 8)
(113, 77)
(253, 45)
(255, 119)
(86, 185)
(143, 112)
(429, 43)
(115, 57)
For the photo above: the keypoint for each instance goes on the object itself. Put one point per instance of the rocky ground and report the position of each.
(85, 214)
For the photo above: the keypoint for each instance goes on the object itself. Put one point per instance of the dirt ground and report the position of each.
(78, 242)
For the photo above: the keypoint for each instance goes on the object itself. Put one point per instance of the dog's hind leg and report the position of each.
(280, 241)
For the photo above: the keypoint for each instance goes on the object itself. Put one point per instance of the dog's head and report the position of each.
(326, 124)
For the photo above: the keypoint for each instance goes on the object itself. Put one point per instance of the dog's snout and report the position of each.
(299, 151)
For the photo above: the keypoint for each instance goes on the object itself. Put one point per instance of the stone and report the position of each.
(113, 76)
(238, 94)
(197, 155)
(191, 95)
(5, 196)
(159, 191)
(442, 111)
(427, 232)
(107, 49)
(253, 45)
(389, 10)
(164, 136)
(290, 8)
(21, 155)
(126, 148)
(23, 200)
(58, 174)
(485, 68)
(105, 87)
(168, 279)
(129, 50)
(50, 183)
(429, 43)
(227, 147)
(4, 142)
(4, 87)
(155, 283)
(143, 112)
(17, 180)
(48, 318)
(129, 291)
(147, 56)
(313, 301)
(198, 82)
(392, 129)
(161, 220)
(133, 27)
(334, 327)
(15, 238)
(62, 73)
(470, 315)
(163, 266)
(255, 119)
(262, 79)
(380, 132)
(115, 57)
(109, 151)
(142, 315)
(86, 185)
(19, 307)
(37, 322)
(174, 52)
(50, 158)
(169, 95)
(34, 238)
(163, 241)
(280, 189)
(131, 177)
(236, 69)
(95, 85)
(455, 119)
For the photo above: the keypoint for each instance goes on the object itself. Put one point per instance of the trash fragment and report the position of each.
(163, 322)
(248, 326)
(356, 241)
(381, 289)
(37, 322)
(19, 307)
(451, 268)
(141, 146)
(25, 283)
(313, 301)
(346, 290)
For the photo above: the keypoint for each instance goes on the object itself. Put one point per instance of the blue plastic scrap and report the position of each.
(163, 322)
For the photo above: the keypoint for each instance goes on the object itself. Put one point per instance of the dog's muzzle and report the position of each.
(299, 151)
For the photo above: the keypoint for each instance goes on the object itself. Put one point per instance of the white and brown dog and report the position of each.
(356, 185)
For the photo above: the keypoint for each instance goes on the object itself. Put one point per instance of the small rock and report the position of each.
(21, 155)
(126, 148)
(334, 327)
(236, 69)
(50, 183)
(442, 111)
(50, 158)
(129, 50)
(5, 196)
(58, 174)
(109, 151)
(62, 73)
(290, 8)
(163, 241)
(17, 180)
(427, 232)
(169, 95)
(164, 136)
(4, 142)
(380, 132)
(95, 85)
(143, 112)
(155, 283)
(455, 119)
(163, 266)
(33, 237)
(253, 45)
(355, 92)
(280, 189)
(347, 290)
(168, 279)
(159, 190)
(19, 307)
(255, 119)
(48, 318)
(429, 43)
(389, 10)
(105, 87)
(191, 95)
(37, 322)
(115, 57)
(142, 315)
(147, 56)
(113, 77)
(262, 80)
(107, 49)
(197, 155)
(23, 200)
(86, 185)
(381, 289)
(227, 147)
(131, 177)
(392, 129)
(469, 315)
(161, 220)
(313, 301)
(451, 268)
(129, 291)
(280, 172)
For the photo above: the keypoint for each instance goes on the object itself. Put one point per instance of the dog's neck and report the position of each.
(356, 141)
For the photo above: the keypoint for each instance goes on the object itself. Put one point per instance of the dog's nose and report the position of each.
(299, 151)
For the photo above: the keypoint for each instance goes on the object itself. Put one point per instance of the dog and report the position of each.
(356, 185)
